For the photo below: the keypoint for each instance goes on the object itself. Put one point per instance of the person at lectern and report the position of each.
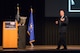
(62, 23)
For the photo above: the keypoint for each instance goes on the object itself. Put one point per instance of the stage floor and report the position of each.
(42, 48)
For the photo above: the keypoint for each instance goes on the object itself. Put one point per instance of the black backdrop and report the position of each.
(46, 32)
(52, 8)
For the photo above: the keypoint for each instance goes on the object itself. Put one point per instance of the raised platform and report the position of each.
(43, 48)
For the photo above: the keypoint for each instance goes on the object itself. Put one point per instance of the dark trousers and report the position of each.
(62, 40)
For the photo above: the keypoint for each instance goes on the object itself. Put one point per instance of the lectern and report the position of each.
(10, 34)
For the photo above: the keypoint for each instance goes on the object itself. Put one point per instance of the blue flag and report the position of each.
(31, 26)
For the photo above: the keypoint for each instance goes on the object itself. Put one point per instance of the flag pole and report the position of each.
(31, 10)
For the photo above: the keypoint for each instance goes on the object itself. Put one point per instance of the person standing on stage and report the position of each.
(62, 22)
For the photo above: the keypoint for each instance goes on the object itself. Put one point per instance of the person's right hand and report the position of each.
(56, 22)
(62, 19)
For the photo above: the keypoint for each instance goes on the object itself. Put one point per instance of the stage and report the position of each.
(43, 48)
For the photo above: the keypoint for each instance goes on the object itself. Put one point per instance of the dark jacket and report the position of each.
(63, 25)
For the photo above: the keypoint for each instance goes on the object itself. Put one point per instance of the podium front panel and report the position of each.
(10, 34)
